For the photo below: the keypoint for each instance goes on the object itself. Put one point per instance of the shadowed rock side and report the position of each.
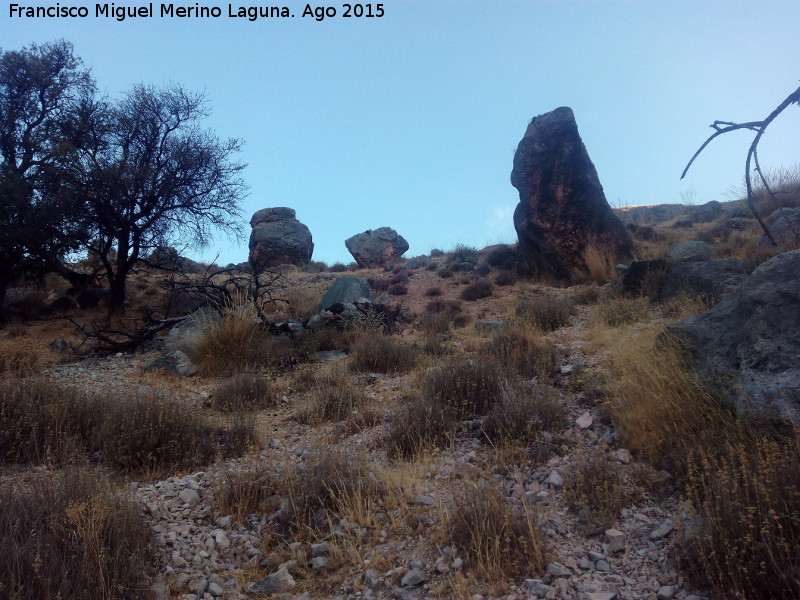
(746, 348)
(376, 247)
(562, 207)
(278, 238)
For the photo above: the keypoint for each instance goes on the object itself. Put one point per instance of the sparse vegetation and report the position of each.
(595, 490)
(482, 288)
(334, 398)
(622, 311)
(243, 393)
(470, 388)
(520, 417)
(420, 425)
(382, 354)
(522, 352)
(73, 536)
(17, 358)
(545, 312)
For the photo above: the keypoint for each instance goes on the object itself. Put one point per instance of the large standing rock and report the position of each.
(376, 247)
(278, 238)
(345, 290)
(562, 208)
(746, 348)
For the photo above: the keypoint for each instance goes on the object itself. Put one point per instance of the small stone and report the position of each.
(555, 479)
(198, 586)
(320, 562)
(567, 369)
(602, 566)
(321, 549)
(275, 583)
(424, 500)
(663, 530)
(215, 590)
(414, 578)
(585, 420)
(458, 563)
(222, 540)
(624, 456)
(537, 587)
(585, 564)
(190, 497)
(666, 592)
(600, 596)
(616, 540)
(558, 570)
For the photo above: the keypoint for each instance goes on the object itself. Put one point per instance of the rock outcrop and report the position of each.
(784, 225)
(709, 279)
(278, 238)
(746, 348)
(376, 247)
(562, 209)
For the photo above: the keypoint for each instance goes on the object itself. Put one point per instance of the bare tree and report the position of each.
(154, 175)
(760, 128)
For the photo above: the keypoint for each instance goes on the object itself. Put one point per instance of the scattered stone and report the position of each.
(666, 592)
(320, 562)
(414, 578)
(276, 583)
(555, 479)
(600, 596)
(495, 325)
(176, 362)
(585, 420)
(616, 540)
(189, 496)
(555, 569)
(663, 530)
(424, 500)
(623, 456)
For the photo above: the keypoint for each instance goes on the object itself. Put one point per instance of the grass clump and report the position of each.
(623, 311)
(382, 354)
(522, 352)
(601, 264)
(469, 387)
(421, 425)
(506, 278)
(334, 398)
(546, 313)
(46, 422)
(17, 358)
(477, 290)
(462, 253)
(72, 536)
(233, 344)
(520, 418)
(497, 539)
(595, 490)
(244, 392)
(433, 291)
(435, 322)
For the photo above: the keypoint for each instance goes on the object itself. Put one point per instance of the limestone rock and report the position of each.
(376, 247)
(562, 208)
(278, 238)
(746, 348)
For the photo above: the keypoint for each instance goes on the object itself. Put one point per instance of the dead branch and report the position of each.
(760, 127)
(118, 340)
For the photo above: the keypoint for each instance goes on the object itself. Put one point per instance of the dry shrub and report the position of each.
(244, 493)
(431, 266)
(451, 307)
(47, 422)
(506, 278)
(338, 267)
(521, 351)
(334, 398)
(595, 490)
(477, 290)
(17, 358)
(381, 354)
(14, 329)
(380, 284)
(601, 264)
(234, 344)
(521, 417)
(400, 276)
(685, 305)
(498, 539)
(619, 312)
(469, 387)
(420, 425)
(303, 302)
(398, 289)
(746, 541)
(462, 253)
(435, 322)
(546, 313)
(72, 536)
(444, 273)
(587, 295)
(243, 393)
(433, 291)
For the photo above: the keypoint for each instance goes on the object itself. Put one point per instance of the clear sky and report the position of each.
(411, 120)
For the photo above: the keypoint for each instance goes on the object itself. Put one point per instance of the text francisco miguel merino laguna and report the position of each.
(120, 13)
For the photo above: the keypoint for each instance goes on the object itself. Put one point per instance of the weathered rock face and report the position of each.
(711, 279)
(746, 348)
(562, 207)
(784, 225)
(278, 238)
(376, 247)
(689, 251)
(345, 290)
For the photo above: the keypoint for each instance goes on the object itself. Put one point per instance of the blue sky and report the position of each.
(411, 120)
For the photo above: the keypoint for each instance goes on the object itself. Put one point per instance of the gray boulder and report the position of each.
(176, 362)
(185, 335)
(562, 209)
(711, 279)
(167, 258)
(278, 238)
(746, 349)
(690, 251)
(376, 247)
(705, 213)
(345, 290)
(784, 225)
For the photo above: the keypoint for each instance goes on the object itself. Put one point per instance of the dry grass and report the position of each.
(619, 312)
(378, 353)
(72, 536)
(234, 344)
(477, 290)
(498, 540)
(17, 357)
(521, 417)
(546, 313)
(45, 422)
(334, 398)
(420, 426)
(244, 392)
(521, 351)
(601, 264)
(595, 490)
(470, 388)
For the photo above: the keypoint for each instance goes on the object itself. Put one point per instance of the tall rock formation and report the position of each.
(278, 238)
(562, 209)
